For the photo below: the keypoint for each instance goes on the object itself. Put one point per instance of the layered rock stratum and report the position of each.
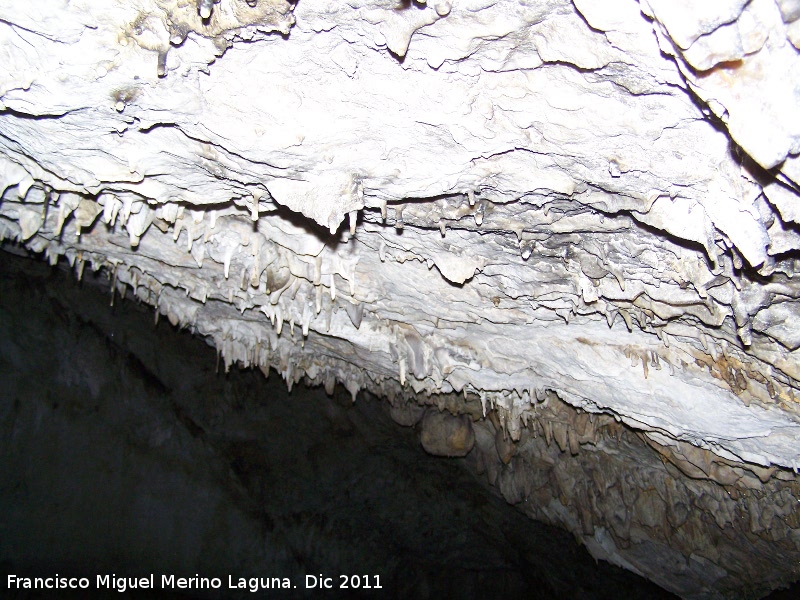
(576, 222)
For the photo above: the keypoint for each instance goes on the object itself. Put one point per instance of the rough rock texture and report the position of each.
(445, 435)
(126, 453)
(594, 201)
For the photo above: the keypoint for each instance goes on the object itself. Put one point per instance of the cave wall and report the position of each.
(589, 203)
(127, 452)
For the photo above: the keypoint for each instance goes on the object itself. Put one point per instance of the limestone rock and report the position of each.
(508, 201)
(443, 434)
(407, 415)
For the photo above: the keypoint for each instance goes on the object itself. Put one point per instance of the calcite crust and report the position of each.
(504, 200)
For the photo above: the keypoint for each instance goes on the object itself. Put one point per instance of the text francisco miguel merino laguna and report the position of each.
(171, 582)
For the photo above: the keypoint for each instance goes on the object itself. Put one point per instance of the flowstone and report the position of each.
(507, 201)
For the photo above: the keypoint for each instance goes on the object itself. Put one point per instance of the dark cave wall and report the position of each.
(122, 450)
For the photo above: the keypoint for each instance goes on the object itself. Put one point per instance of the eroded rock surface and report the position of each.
(443, 434)
(511, 201)
(126, 453)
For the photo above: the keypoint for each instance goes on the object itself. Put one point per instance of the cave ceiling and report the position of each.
(503, 199)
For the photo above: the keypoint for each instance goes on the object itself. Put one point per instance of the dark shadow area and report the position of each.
(123, 452)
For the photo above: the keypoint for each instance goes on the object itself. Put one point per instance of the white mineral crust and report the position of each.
(597, 198)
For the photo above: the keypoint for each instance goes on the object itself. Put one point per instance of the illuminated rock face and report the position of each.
(588, 205)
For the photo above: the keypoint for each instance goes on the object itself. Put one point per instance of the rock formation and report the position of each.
(576, 222)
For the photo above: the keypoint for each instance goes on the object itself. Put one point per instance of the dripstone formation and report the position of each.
(570, 226)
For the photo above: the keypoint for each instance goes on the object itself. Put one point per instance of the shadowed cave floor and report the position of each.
(123, 451)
